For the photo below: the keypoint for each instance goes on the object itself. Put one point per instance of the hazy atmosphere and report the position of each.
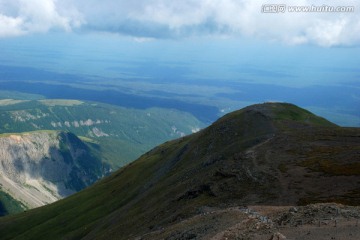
(220, 54)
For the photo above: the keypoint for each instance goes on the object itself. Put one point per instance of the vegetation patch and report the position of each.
(283, 167)
(88, 140)
(27, 133)
(331, 168)
(291, 112)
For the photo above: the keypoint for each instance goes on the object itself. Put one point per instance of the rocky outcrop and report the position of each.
(41, 167)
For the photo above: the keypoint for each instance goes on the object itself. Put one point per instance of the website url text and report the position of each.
(282, 8)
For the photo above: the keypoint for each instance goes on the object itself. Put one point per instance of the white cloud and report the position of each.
(22, 17)
(329, 33)
(143, 39)
(10, 26)
(179, 19)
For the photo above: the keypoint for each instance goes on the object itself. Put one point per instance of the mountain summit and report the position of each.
(272, 154)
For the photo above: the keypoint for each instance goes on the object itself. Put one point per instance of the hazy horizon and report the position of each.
(223, 54)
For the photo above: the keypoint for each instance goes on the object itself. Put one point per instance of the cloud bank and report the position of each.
(181, 19)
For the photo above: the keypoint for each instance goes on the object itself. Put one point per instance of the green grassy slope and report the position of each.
(122, 134)
(252, 156)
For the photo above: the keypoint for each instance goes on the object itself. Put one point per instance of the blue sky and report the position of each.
(189, 41)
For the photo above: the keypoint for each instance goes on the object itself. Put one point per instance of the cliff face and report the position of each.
(38, 168)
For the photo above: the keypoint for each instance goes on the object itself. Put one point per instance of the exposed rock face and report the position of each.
(38, 168)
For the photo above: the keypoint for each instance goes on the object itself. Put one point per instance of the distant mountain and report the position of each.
(41, 167)
(203, 186)
(122, 134)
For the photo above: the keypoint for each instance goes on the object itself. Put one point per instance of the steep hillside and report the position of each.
(202, 186)
(41, 167)
(123, 134)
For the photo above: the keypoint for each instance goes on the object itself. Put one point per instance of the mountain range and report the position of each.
(268, 157)
(123, 134)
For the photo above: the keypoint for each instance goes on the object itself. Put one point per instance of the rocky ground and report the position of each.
(315, 221)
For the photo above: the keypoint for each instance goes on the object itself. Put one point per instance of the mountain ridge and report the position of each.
(273, 154)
